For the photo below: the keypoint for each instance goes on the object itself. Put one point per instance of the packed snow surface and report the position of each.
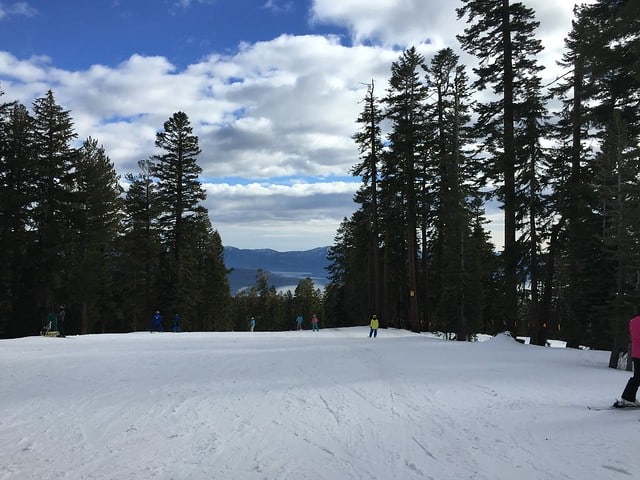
(300, 405)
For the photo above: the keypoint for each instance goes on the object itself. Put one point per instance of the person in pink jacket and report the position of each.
(630, 391)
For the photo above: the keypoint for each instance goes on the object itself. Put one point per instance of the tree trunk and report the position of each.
(544, 312)
(510, 254)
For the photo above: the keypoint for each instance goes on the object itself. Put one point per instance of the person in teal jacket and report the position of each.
(51, 325)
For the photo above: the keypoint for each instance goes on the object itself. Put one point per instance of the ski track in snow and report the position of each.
(301, 405)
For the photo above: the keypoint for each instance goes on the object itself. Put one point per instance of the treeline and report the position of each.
(562, 160)
(70, 235)
(276, 310)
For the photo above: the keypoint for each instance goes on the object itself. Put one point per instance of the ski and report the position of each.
(617, 405)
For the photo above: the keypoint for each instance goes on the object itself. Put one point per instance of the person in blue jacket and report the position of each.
(156, 322)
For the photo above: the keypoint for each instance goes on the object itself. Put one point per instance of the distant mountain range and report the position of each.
(284, 269)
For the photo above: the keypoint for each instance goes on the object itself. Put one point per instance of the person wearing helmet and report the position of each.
(374, 324)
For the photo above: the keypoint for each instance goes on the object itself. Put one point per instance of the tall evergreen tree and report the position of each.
(179, 192)
(96, 223)
(179, 189)
(16, 197)
(598, 110)
(56, 160)
(141, 246)
(348, 302)
(205, 302)
(405, 103)
(533, 220)
(454, 189)
(369, 142)
(505, 59)
(571, 239)
(616, 114)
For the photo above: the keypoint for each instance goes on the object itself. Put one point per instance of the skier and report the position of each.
(299, 322)
(314, 324)
(156, 321)
(374, 324)
(252, 324)
(61, 315)
(629, 395)
(50, 325)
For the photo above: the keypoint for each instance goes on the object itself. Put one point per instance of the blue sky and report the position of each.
(108, 31)
(272, 88)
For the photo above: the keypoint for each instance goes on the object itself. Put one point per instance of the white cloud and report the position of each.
(297, 216)
(402, 22)
(414, 22)
(278, 108)
(188, 3)
(24, 71)
(16, 9)
(278, 6)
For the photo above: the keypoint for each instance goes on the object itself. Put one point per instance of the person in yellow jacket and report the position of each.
(374, 324)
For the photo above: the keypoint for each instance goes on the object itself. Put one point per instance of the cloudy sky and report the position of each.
(272, 89)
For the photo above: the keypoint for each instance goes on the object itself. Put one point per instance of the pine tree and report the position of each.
(598, 110)
(179, 192)
(141, 246)
(349, 302)
(454, 191)
(505, 59)
(265, 311)
(307, 299)
(16, 197)
(405, 110)
(96, 223)
(571, 237)
(55, 163)
(205, 300)
(532, 216)
(616, 116)
(370, 146)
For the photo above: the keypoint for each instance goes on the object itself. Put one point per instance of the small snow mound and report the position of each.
(503, 338)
